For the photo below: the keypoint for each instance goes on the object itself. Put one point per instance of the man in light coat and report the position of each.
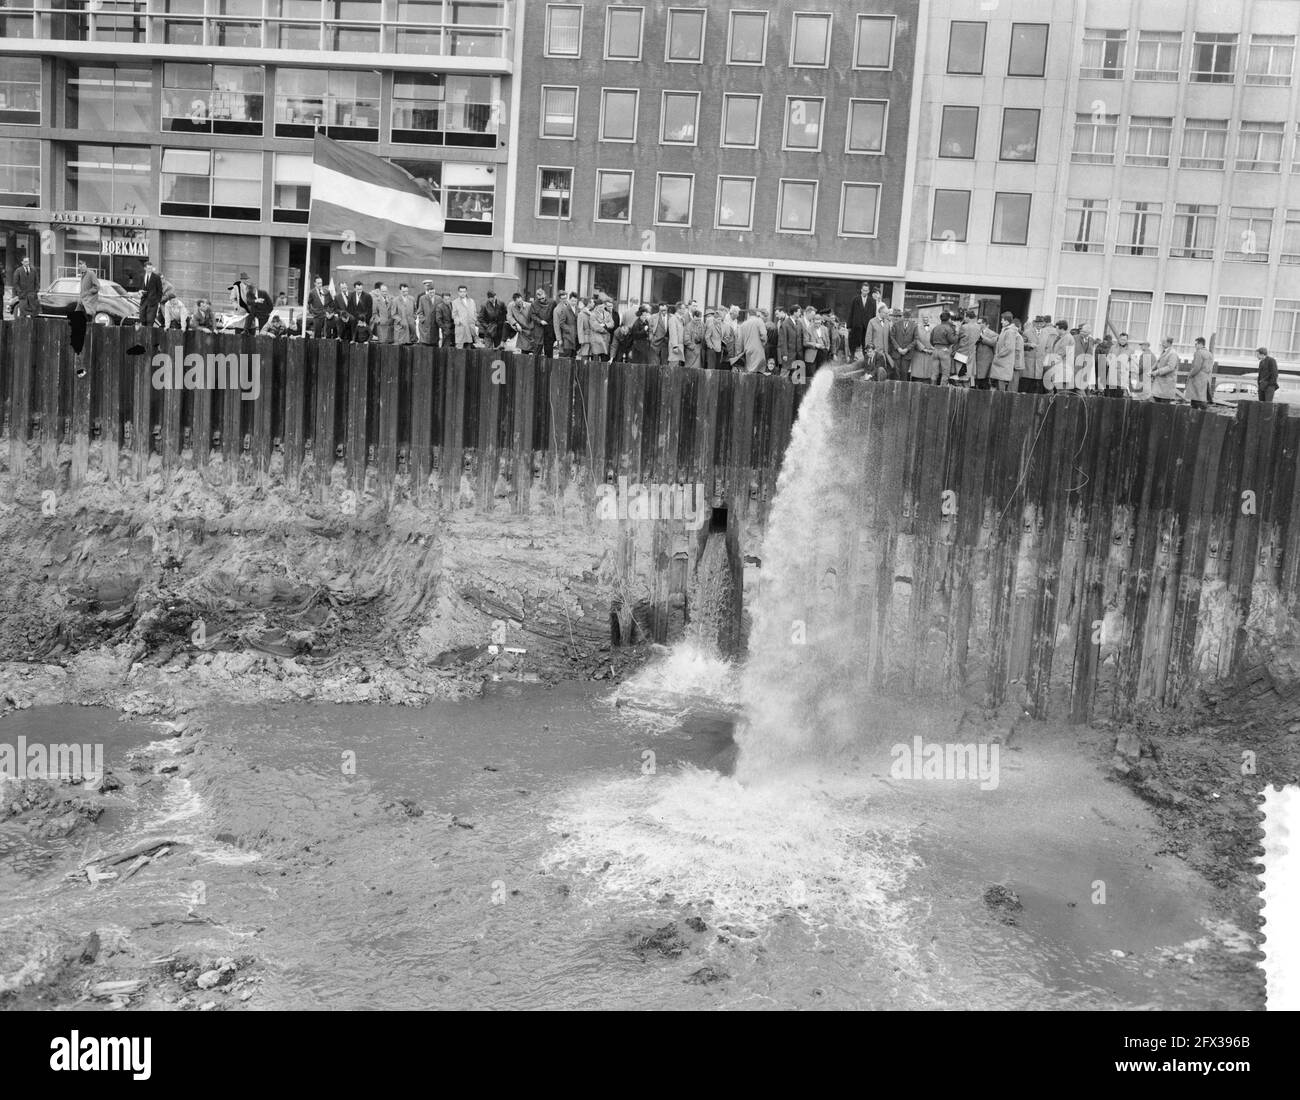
(565, 320)
(752, 340)
(1164, 379)
(922, 369)
(693, 336)
(404, 316)
(878, 333)
(464, 316)
(1200, 375)
(659, 335)
(519, 318)
(382, 321)
(426, 322)
(968, 337)
(1008, 349)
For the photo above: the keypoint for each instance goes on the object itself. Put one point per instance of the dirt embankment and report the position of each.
(154, 596)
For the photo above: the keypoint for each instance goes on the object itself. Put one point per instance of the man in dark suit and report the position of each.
(361, 306)
(544, 322)
(902, 340)
(445, 320)
(861, 310)
(1267, 374)
(27, 287)
(150, 295)
(319, 302)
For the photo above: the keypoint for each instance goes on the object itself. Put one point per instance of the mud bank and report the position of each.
(153, 596)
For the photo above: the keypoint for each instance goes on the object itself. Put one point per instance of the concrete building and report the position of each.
(181, 129)
(728, 153)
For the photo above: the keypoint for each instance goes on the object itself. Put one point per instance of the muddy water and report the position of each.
(559, 828)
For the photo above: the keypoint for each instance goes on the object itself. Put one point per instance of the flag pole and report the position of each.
(306, 283)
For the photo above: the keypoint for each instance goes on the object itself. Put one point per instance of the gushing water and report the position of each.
(802, 681)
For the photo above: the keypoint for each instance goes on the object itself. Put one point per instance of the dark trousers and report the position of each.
(548, 341)
(1200, 405)
(857, 337)
(317, 326)
(659, 353)
(148, 314)
(1267, 392)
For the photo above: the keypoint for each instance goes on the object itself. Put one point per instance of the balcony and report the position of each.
(411, 27)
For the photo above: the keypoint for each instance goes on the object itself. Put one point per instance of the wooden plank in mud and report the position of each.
(528, 379)
(707, 398)
(423, 386)
(358, 410)
(257, 415)
(322, 361)
(387, 359)
(452, 372)
(741, 458)
(672, 383)
(972, 460)
(559, 441)
(295, 411)
(596, 396)
(1218, 632)
(200, 402)
(722, 433)
(487, 439)
(50, 367)
(628, 385)
(171, 343)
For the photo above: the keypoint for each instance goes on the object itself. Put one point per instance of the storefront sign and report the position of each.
(123, 246)
(79, 217)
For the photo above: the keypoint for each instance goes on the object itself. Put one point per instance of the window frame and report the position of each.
(844, 190)
(663, 116)
(1212, 39)
(1260, 134)
(26, 81)
(786, 147)
(1011, 50)
(943, 115)
(934, 213)
(1002, 135)
(812, 220)
(636, 117)
(537, 202)
(541, 115)
(1268, 79)
(1104, 35)
(1109, 122)
(255, 155)
(848, 129)
(1204, 132)
(984, 47)
(690, 209)
(631, 192)
(758, 120)
(1162, 40)
(1125, 244)
(1195, 215)
(1251, 216)
(668, 36)
(731, 25)
(640, 34)
(1028, 215)
(546, 31)
(748, 227)
(1148, 157)
(1077, 208)
(829, 19)
(857, 38)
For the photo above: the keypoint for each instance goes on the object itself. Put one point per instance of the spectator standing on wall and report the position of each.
(789, 343)
(27, 289)
(659, 335)
(639, 335)
(1199, 376)
(404, 331)
(151, 296)
(1267, 374)
(713, 332)
(752, 343)
(445, 319)
(922, 369)
(1008, 348)
(878, 332)
(861, 310)
(902, 341)
(601, 320)
(693, 337)
(464, 313)
(943, 337)
(426, 323)
(1164, 379)
(362, 308)
(543, 326)
(519, 318)
(1144, 364)
(565, 319)
(382, 320)
(318, 302)
(491, 319)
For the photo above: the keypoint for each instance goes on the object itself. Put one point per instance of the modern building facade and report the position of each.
(727, 153)
(181, 129)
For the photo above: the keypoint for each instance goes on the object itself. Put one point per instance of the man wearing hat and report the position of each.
(1143, 367)
(425, 323)
(241, 297)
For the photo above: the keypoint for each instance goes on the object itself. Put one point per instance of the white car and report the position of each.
(232, 320)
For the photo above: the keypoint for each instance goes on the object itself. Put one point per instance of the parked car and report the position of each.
(117, 305)
(232, 320)
(1229, 391)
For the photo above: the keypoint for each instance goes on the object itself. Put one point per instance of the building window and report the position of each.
(951, 213)
(554, 192)
(563, 30)
(810, 40)
(1270, 59)
(20, 172)
(1149, 140)
(623, 34)
(218, 183)
(1184, 320)
(1130, 311)
(469, 197)
(957, 132)
(667, 284)
(740, 118)
(747, 38)
(966, 47)
(796, 206)
(735, 203)
(1139, 229)
(1237, 332)
(859, 209)
(20, 91)
(1010, 218)
(202, 265)
(559, 112)
(1194, 226)
(1214, 58)
(542, 275)
(1094, 139)
(803, 123)
(1295, 149)
(674, 197)
(106, 97)
(1076, 304)
(724, 289)
(1019, 134)
(685, 39)
(613, 195)
(618, 111)
(866, 127)
(1291, 238)
(1259, 147)
(679, 116)
(1285, 341)
(1159, 55)
(1205, 143)
(873, 42)
(1103, 54)
(1028, 49)
(450, 109)
(205, 99)
(1250, 234)
(601, 278)
(1085, 226)
(113, 179)
(344, 103)
(291, 197)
